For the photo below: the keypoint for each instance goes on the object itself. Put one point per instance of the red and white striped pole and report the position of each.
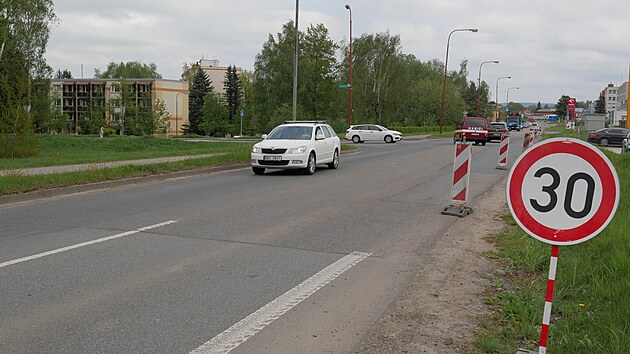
(544, 334)
(526, 140)
(461, 173)
(531, 138)
(504, 148)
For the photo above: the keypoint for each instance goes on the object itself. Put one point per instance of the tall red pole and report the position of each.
(350, 97)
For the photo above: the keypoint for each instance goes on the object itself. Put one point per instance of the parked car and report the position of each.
(297, 145)
(625, 142)
(474, 129)
(372, 132)
(496, 129)
(608, 136)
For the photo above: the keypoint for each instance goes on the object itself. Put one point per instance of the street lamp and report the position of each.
(176, 111)
(479, 86)
(446, 67)
(295, 62)
(507, 96)
(496, 101)
(350, 97)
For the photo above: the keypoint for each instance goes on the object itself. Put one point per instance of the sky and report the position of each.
(549, 48)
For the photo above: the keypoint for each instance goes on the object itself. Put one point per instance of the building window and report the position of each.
(57, 88)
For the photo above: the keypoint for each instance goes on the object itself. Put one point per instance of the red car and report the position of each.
(473, 129)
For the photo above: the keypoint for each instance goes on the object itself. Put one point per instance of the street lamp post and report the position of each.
(350, 60)
(295, 62)
(507, 96)
(446, 67)
(479, 86)
(496, 100)
(176, 111)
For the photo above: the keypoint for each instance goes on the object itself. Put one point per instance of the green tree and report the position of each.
(65, 74)
(538, 107)
(377, 64)
(24, 33)
(561, 107)
(233, 94)
(600, 105)
(216, 120)
(189, 70)
(132, 69)
(200, 87)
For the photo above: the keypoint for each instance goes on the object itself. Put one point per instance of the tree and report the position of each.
(538, 107)
(376, 67)
(215, 117)
(561, 107)
(24, 33)
(132, 69)
(189, 70)
(233, 93)
(600, 105)
(65, 74)
(200, 86)
(273, 76)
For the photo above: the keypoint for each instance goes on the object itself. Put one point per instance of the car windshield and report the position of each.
(291, 133)
(497, 125)
(382, 127)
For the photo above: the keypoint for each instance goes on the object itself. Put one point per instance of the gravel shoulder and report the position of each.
(439, 311)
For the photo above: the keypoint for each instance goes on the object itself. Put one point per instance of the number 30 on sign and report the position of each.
(563, 191)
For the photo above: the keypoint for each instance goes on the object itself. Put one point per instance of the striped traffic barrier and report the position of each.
(526, 140)
(504, 148)
(531, 139)
(461, 178)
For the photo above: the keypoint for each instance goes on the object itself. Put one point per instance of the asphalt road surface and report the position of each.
(279, 263)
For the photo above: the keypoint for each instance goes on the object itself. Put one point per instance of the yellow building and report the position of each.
(78, 98)
(216, 73)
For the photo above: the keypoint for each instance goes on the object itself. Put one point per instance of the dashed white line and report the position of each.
(83, 244)
(252, 324)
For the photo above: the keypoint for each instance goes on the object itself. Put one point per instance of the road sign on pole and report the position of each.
(562, 191)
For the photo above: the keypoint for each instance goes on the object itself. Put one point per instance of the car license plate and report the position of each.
(272, 158)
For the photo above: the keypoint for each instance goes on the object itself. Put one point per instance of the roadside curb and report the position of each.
(88, 187)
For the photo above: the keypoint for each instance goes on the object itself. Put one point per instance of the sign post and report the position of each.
(562, 191)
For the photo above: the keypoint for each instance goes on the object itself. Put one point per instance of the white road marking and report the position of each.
(252, 324)
(83, 244)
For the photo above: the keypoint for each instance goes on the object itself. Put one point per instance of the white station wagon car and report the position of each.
(372, 132)
(297, 145)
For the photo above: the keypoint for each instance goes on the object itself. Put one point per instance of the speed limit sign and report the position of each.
(563, 191)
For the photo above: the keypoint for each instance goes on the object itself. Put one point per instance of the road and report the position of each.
(175, 266)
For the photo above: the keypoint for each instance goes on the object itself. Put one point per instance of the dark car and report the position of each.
(496, 129)
(608, 136)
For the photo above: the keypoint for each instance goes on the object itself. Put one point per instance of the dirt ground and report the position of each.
(439, 311)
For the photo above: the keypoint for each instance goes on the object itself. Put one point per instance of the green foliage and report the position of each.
(132, 69)
(561, 107)
(65, 74)
(600, 105)
(216, 120)
(233, 93)
(200, 87)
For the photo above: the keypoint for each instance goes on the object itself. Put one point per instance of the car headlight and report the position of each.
(297, 150)
(256, 149)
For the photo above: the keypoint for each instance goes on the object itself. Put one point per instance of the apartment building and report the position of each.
(80, 98)
(621, 113)
(216, 73)
(610, 100)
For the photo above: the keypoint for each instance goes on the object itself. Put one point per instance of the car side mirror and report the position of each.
(264, 136)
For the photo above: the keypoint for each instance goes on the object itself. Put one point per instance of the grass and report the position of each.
(59, 150)
(591, 306)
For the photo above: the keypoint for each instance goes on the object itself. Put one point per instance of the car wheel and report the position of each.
(310, 167)
(603, 142)
(258, 170)
(389, 139)
(335, 162)
(483, 143)
(356, 139)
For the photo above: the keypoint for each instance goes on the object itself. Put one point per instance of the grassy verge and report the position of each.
(58, 150)
(62, 150)
(591, 307)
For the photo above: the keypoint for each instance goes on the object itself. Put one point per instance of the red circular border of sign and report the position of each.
(610, 188)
